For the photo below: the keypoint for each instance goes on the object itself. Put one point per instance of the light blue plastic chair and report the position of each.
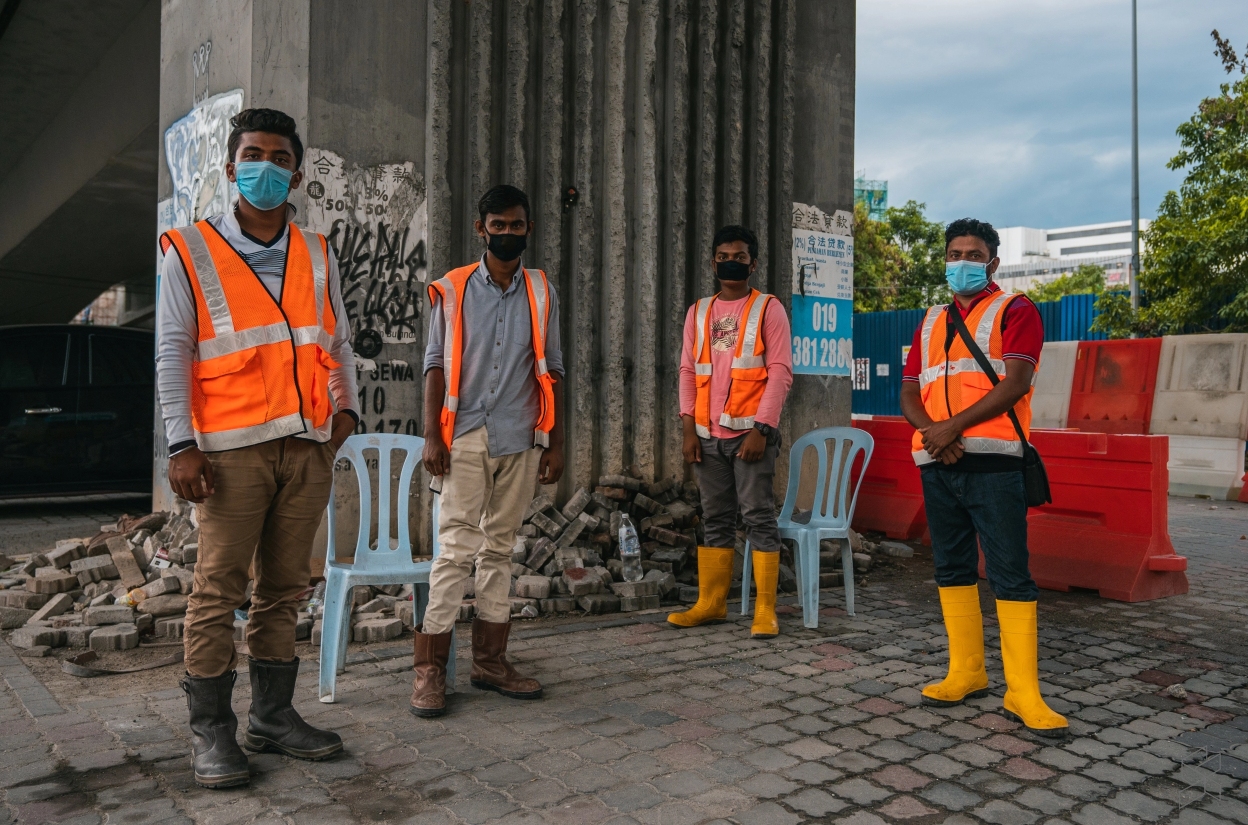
(833, 512)
(383, 565)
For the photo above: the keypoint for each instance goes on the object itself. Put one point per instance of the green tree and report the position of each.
(877, 263)
(921, 281)
(1088, 279)
(1195, 275)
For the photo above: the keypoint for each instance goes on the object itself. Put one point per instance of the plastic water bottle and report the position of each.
(630, 550)
(318, 597)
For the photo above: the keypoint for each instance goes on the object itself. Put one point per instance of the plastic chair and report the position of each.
(383, 565)
(830, 519)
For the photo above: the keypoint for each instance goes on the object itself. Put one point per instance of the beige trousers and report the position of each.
(482, 503)
(268, 503)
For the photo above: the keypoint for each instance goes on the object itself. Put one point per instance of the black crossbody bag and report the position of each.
(1035, 478)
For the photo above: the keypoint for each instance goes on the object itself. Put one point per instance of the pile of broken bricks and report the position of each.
(132, 579)
(129, 580)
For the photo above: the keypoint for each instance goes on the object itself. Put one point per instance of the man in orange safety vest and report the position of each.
(970, 454)
(493, 429)
(257, 385)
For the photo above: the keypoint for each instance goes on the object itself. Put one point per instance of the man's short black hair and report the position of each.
(733, 232)
(979, 229)
(501, 198)
(264, 120)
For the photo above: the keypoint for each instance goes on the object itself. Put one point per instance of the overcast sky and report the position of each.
(1019, 111)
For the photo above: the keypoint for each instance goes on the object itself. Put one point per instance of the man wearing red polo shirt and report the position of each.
(970, 454)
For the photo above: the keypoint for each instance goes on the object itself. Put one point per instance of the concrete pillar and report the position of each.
(637, 127)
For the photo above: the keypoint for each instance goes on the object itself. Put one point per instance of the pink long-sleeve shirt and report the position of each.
(726, 323)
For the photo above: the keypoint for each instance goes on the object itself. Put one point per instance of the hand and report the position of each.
(952, 453)
(343, 426)
(436, 456)
(939, 436)
(190, 475)
(692, 448)
(752, 447)
(551, 466)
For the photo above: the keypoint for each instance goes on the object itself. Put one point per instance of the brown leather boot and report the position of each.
(430, 653)
(490, 668)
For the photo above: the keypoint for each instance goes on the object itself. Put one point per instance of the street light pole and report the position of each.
(1135, 163)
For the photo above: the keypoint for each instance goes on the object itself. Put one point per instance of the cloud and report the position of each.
(1020, 112)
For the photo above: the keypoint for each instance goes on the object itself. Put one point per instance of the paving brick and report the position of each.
(173, 604)
(951, 796)
(93, 569)
(1113, 774)
(78, 637)
(860, 791)
(533, 587)
(108, 614)
(115, 637)
(37, 636)
(900, 778)
(1138, 805)
(161, 587)
(815, 802)
(123, 557)
(171, 627)
(558, 604)
(51, 580)
(11, 617)
(1005, 813)
(1025, 769)
(630, 604)
(1099, 815)
(599, 603)
(377, 630)
(55, 606)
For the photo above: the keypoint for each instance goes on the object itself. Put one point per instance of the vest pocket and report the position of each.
(744, 396)
(229, 392)
(321, 407)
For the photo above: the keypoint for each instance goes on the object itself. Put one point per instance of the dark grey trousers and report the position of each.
(730, 486)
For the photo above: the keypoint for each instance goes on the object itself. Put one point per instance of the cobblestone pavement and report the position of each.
(642, 723)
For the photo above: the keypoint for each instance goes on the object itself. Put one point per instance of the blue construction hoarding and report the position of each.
(881, 340)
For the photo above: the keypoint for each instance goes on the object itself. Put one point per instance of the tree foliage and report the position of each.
(1088, 279)
(899, 262)
(1195, 275)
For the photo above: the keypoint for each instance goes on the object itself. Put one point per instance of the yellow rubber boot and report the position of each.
(714, 577)
(964, 624)
(1019, 654)
(766, 571)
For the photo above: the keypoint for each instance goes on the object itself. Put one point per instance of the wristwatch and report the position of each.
(765, 429)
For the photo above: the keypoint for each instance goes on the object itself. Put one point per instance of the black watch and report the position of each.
(765, 429)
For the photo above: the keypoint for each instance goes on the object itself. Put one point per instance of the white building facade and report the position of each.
(1036, 256)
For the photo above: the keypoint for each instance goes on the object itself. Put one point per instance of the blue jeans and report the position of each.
(992, 507)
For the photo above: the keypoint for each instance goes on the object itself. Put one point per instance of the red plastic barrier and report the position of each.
(1113, 386)
(890, 500)
(1106, 529)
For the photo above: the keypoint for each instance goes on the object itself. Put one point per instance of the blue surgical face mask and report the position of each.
(265, 185)
(966, 277)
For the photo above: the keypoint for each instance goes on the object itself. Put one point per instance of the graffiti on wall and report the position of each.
(195, 149)
(374, 216)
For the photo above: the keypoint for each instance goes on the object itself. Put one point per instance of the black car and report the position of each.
(76, 409)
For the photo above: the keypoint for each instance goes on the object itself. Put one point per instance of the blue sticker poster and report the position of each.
(823, 292)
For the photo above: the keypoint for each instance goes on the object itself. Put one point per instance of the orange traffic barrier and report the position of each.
(1106, 529)
(890, 500)
(1113, 386)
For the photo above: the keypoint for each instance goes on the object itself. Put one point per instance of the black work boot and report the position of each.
(217, 759)
(273, 724)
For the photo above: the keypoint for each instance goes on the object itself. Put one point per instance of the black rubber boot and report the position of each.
(216, 758)
(274, 725)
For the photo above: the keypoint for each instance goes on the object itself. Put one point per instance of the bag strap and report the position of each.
(955, 318)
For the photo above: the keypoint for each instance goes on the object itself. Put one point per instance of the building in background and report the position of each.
(1036, 256)
(873, 194)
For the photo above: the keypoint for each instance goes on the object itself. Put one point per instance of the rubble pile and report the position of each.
(567, 558)
(130, 579)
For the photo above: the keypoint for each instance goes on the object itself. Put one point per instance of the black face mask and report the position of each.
(507, 247)
(732, 271)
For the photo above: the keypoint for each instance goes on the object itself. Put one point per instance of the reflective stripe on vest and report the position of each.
(748, 367)
(951, 380)
(450, 289)
(261, 368)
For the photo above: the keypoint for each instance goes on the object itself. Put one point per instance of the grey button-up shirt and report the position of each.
(497, 381)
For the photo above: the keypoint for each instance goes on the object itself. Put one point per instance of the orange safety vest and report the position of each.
(749, 372)
(261, 368)
(450, 290)
(950, 384)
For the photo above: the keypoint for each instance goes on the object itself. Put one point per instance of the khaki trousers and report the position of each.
(482, 504)
(267, 505)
